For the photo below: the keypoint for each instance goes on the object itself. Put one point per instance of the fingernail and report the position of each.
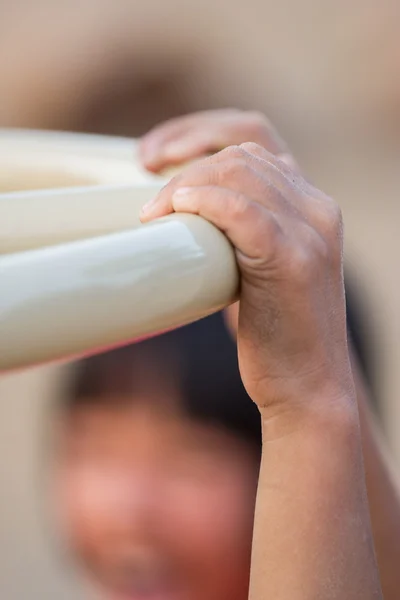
(149, 150)
(182, 197)
(146, 208)
(176, 148)
(183, 191)
(150, 159)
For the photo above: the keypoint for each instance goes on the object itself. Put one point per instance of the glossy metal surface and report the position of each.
(53, 159)
(61, 298)
(34, 219)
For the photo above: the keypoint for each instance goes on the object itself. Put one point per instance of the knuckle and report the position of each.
(325, 213)
(267, 232)
(232, 168)
(321, 251)
(252, 148)
(200, 173)
(310, 255)
(337, 218)
(301, 264)
(328, 257)
(244, 211)
(331, 220)
(238, 207)
(232, 152)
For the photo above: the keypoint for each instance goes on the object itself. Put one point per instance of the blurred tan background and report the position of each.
(326, 72)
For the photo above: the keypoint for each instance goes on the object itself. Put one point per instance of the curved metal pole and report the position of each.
(79, 273)
(35, 219)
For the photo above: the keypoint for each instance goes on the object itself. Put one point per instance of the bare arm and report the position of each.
(383, 493)
(187, 138)
(312, 537)
(312, 533)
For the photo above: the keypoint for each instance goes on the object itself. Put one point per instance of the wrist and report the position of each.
(321, 414)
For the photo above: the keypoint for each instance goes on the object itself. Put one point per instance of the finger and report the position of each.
(249, 226)
(284, 162)
(192, 136)
(171, 171)
(166, 143)
(233, 168)
(249, 168)
(305, 199)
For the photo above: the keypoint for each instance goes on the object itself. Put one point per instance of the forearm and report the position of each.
(312, 534)
(383, 495)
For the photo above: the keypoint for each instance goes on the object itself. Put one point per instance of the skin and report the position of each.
(199, 134)
(288, 239)
(160, 507)
(156, 506)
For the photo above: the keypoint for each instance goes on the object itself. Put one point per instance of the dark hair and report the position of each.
(202, 359)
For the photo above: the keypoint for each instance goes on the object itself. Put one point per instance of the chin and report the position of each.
(145, 595)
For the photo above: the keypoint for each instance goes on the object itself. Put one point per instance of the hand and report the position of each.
(292, 346)
(287, 237)
(197, 135)
(178, 142)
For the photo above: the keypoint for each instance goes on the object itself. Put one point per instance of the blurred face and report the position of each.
(156, 506)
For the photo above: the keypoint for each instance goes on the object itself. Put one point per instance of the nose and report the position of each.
(126, 502)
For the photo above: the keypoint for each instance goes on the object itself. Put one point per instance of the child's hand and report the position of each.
(288, 241)
(293, 354)
(176, 143)
(194, 136)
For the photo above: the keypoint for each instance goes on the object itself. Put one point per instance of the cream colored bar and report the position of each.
(63, 186)
(34, 219)
(68, 300)
(78, 272)
(94, 158)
